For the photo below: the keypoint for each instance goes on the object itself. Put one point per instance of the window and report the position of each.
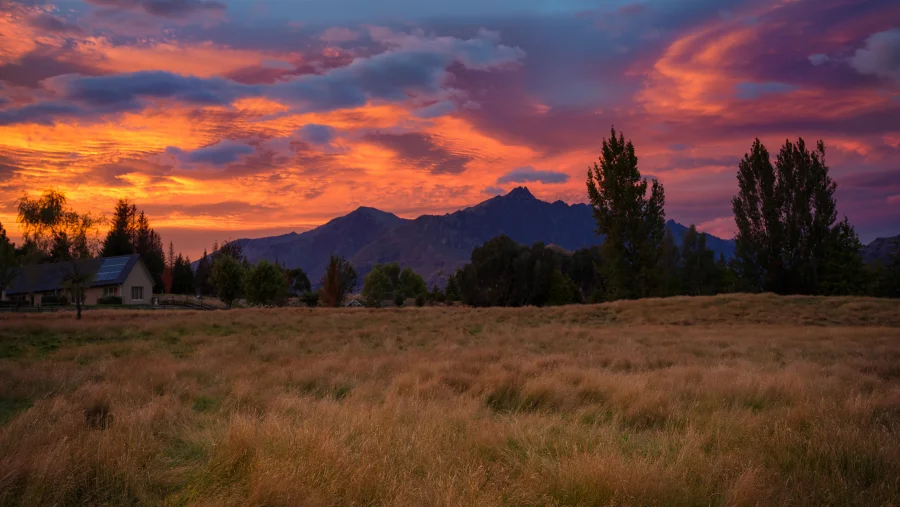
(137, 293)
(111, 291)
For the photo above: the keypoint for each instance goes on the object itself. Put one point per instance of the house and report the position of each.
(124, 276)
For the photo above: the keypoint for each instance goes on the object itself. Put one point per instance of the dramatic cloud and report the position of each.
(54, 24)
(423, 151)
(437, 109)
(818, 59)
(219, 154)
(317, 134)
(751, 91)
(881, 56)
(530, 174)
(164, 8)
(224, 123)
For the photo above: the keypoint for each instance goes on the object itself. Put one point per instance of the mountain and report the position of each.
(435, 246)
(718, 245)
(880, 250)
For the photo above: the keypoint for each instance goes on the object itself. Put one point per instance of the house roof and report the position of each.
(47, 277)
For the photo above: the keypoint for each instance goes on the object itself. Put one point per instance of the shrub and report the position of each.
(109, 300)
(399, 299)
(55, 300)
(310, 298)
(420, 300)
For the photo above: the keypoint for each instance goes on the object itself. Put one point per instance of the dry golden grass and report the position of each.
(733, 400)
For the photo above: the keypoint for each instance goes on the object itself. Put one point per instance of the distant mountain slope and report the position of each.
(436, 245)
(718, 245)
(310, 250)
(432, 245)
(880, 250)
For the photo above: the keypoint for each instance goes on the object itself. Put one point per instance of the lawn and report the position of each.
(731, 400)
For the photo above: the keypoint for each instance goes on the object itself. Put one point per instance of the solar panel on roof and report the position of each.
(110, 269)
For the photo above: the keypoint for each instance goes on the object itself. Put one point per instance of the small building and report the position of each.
(353, 304)
(125, 276)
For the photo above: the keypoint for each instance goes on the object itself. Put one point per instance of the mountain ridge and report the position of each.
(436, 245)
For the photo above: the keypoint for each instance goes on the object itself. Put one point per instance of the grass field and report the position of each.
(732, 400)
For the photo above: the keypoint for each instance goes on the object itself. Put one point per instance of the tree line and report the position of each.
(789, 241)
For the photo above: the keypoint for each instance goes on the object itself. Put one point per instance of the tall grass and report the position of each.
(732, 400)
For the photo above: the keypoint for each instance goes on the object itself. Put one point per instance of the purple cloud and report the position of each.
(317, 134)
(529, 174)
(219, 154)
(423, 150)
(880, 56)
(53, 24)
(164, 8)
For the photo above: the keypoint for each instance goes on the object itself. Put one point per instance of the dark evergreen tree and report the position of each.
(120, 238)
(148, 244)
(451, 292)
(886, 277)
(182, 276)
(632, 221)
(585, 268)
(9, 262)
(700, 275)
(670, 280)
(202, 282)
(842, 272)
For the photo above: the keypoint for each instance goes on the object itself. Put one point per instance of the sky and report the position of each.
(225, 119)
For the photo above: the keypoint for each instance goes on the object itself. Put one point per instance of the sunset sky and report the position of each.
(248, 118)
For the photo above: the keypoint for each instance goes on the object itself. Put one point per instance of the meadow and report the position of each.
(728, 400)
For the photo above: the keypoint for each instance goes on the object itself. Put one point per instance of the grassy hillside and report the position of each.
(732, 400)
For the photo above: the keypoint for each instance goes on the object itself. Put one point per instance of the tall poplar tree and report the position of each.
(787, 239)
(632, 221)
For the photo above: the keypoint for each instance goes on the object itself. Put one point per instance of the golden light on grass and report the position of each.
(733, 400)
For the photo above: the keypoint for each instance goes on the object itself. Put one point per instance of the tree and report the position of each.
(266, 284)
(669, 267)
(633, 223)
(585, 268)
(786, 217)
(699, 272)
(562, 291)
(451, 292)
(340, 278)
(9, 263)
(130, 233)
(234, 250)
(202, 276)
(182, 276)
(757, 215)
(891, 281)
(298, 282)
(61, 233)
(842, 270)
(228, 279)
(120, 238)
(171, 258)
(148, 244)
(388, 281)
